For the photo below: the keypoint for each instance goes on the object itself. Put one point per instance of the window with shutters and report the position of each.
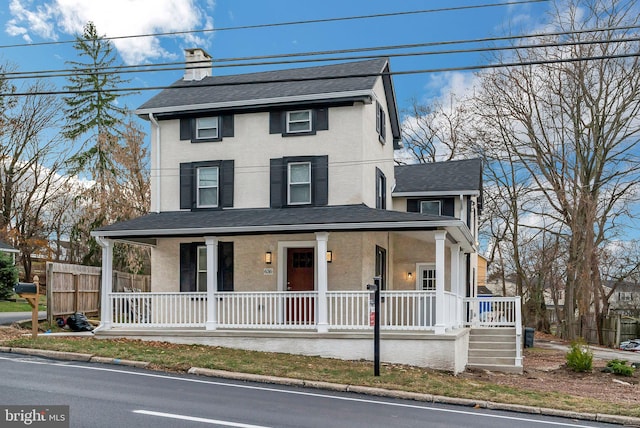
(299, 121)
(201, 269)
(299, 180)
(193, 266)
(206, 185)
(206, 129)
(299, 183)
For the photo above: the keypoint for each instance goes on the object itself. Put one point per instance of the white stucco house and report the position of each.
(276, 201)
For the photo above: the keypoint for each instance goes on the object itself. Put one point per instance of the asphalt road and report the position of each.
(112, 396)
(7, 318)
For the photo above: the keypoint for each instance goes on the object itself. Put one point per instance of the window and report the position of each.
(207, 184)
(430, 207)
(625, 296)
(206, 128)
(381, 190)
(426, 277)
(299, 183)
(201, 269)
(381, 266)
(381, 126)
(299, 121)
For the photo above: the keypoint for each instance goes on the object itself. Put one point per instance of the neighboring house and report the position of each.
(6, 248)
(625, 299)
(275, 203)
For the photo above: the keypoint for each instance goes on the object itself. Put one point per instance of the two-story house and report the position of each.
(276, 202)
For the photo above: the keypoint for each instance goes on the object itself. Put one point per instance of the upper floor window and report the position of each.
(381, 125)
(299, 121)
(207, 194)
(381, 190)
(207, 127)
(299, 183)
(625, 296)
(430, 207)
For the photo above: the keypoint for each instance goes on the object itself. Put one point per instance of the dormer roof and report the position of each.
(457, 177)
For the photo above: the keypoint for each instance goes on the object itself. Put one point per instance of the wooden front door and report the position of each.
(300, 272)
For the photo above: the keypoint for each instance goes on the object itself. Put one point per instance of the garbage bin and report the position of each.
(528, 337)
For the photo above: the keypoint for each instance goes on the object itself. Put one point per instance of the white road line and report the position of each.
(194, 419)
(309, 394)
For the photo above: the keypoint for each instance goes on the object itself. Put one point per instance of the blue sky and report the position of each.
(28, 22)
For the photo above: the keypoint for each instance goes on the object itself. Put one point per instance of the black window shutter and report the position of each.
(187, 267)
(381, 193)
(277, 182)
(185, 129)
(226, 177)
(275, 122)
(225, 266)
(413, 205)
(227, 125)
(186, 186)
(322, 119)
(448, 207)
(383, 125)
(320, 179)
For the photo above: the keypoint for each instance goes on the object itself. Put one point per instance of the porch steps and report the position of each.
(493, 349)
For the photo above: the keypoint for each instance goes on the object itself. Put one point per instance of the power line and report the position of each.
(307, 79)
(181, 65)
(288, 23)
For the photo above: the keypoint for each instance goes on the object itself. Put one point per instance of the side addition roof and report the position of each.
(439, 178)
(336, 82)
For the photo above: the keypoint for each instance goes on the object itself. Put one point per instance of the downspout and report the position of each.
(156, 150)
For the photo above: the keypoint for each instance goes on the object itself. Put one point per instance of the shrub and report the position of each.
(579, 358)
(8, 276)
(620, 367)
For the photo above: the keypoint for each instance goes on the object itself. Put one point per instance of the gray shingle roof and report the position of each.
(4, 247)
(449, 176)
(270, 84)
(265, 220)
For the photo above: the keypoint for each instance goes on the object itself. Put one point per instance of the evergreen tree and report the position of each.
(8, 276)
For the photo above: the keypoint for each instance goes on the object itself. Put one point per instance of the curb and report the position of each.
(368, 390)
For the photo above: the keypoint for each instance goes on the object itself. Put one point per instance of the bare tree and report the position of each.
(570, 118)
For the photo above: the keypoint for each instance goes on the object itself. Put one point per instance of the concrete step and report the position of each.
(498, 331)
(496, 368)
(509, 353)
(492, 345)
(503, 361)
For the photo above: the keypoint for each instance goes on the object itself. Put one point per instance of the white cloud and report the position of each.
(113, 18)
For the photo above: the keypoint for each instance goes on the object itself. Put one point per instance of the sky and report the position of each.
(28, 23)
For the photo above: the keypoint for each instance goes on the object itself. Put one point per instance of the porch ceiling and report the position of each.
(279, 220)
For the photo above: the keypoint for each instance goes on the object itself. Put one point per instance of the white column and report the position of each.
(106, 287)
(322, 323)
(455, 284)
(212, 282)
(440, 259)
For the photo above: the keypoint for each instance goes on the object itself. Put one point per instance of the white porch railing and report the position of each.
(346, 310)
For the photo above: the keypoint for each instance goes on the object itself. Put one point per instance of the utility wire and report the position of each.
(187, 85)
(288, 23)
(173, 66)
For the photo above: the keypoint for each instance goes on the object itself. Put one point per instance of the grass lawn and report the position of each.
(179, 358)
(21, 305)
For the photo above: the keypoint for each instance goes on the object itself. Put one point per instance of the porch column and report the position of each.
(321, 321)
(455, 283)
(212, 282)
(440, 326)
(106, 286)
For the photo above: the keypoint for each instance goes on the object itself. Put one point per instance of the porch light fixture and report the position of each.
(409, 276)
(267, 257)
(329, 256)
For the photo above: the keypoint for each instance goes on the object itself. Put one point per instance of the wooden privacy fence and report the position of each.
(76, 288)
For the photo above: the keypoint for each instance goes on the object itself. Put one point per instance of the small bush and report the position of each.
(620, 367)
(8, 276)
(579, 358)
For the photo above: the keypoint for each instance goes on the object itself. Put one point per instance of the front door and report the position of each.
(300, 271)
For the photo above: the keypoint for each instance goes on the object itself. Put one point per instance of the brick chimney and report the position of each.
(196, 58)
